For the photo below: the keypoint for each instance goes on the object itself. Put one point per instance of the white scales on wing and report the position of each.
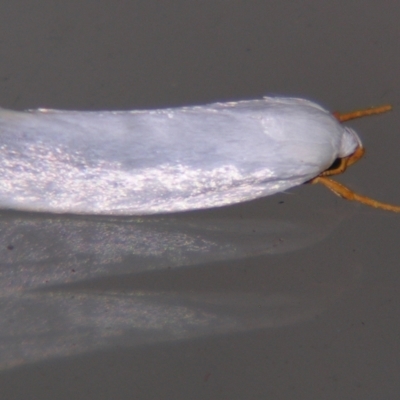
(165, 160)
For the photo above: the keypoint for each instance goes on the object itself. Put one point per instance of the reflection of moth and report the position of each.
(168, 160)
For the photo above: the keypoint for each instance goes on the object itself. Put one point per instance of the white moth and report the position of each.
(165, 160)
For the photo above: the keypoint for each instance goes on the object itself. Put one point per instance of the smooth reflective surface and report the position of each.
(293, 300)
(72, 284)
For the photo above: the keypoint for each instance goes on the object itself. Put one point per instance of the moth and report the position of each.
(174, 159)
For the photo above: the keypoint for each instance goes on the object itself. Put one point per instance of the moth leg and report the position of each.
(346, 193)
(345, 162)
(362, 113)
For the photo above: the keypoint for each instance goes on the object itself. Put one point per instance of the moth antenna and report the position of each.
(343, 191)
(362, 113)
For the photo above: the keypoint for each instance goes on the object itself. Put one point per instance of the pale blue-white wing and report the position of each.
(157, 161)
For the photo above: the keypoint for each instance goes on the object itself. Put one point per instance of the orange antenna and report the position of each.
(362, 113)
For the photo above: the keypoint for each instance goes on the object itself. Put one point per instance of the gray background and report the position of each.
(292, 296)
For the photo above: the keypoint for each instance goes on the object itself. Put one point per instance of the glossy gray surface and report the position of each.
(292, 296)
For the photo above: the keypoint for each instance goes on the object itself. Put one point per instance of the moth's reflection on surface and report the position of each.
(75, 284)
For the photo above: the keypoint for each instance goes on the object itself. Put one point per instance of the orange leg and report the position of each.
(360, 151)
(345, 162)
